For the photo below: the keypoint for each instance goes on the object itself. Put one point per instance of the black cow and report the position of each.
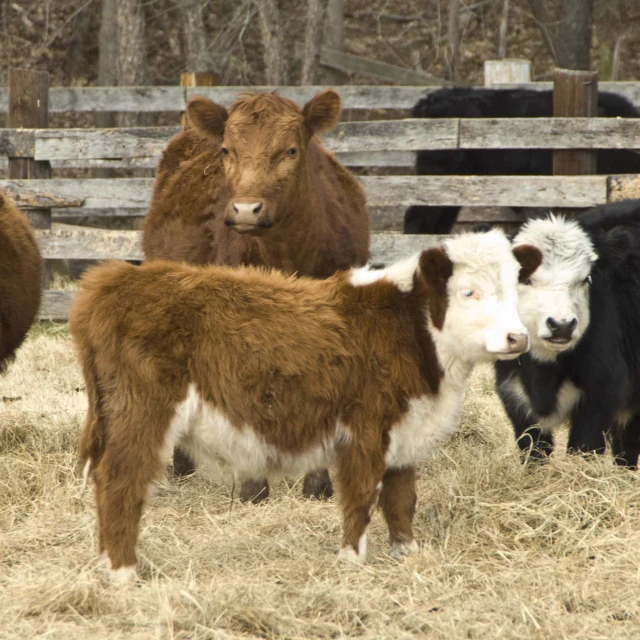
(581, 308)
(465, 102)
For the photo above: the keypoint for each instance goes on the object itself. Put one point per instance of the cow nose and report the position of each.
(518, 342)
(562, 328)
(247, 208)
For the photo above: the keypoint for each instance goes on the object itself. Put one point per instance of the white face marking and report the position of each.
(558, 293)
(207, 434)
(482, 312)
(401, 274)
(568, 397)
(399, 550)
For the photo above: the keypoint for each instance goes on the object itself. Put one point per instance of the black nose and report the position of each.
(562, 328)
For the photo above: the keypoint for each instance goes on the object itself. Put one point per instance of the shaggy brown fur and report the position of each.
(20, 275)
(312, 217)
(285, 360)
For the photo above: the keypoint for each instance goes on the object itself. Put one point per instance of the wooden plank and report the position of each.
(500, 191)
(475, 191)
(550, 133)
(385, 248)
(55, 305)
(90, 99)
(350, 63)
(361, 138)
(17, 143)
(348, 137)
(623, 188)
(68, 242)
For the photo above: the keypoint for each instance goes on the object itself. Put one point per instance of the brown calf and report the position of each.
(255, 186)
(20, 279)
(276, 375)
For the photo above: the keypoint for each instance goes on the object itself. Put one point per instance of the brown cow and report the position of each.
(281, 375)
(255, 186)
(20, 279)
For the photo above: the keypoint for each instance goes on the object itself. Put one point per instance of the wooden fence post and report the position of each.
(198, 79)
(507, 71)
(575, 94)
(29, 109)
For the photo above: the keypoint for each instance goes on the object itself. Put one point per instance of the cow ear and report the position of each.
(206, 116)
(530, 258)
(322, 112)
(436, 269)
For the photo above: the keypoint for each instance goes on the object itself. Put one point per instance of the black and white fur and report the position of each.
(586, 373)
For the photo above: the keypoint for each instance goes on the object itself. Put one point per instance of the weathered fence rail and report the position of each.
(162, 99)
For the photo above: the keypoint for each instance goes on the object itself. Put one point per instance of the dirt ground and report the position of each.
(505, 551)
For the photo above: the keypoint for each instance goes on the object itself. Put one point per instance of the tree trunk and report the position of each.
(76, 62)
(453, 45)
(567, 32)
(271, 30)
(334, 39)
(503, 30)
(316, 10)
(132, 59)
(108, 58)
(195, 46)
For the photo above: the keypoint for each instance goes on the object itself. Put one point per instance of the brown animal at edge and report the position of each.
(279, 374)
(20, 279)
(255, 186)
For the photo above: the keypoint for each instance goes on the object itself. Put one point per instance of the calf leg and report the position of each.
(121, 485)
(533, 442)
(317, 485)
(360, 474)
(625, 443)
(398, 502)
(254, 491)
(183, 465)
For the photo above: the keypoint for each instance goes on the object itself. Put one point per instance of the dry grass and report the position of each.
(505, 552)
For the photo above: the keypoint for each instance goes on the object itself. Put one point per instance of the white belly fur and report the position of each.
(429, 422)
(207, 435)
(568, 397)
(210, 438)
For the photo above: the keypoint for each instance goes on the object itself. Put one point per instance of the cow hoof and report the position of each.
(349, 554)
(254, 491)
(183, 465)
(123, 575)
(317, 485)
(399, 550)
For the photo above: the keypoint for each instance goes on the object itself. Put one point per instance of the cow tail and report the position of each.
(93, 437)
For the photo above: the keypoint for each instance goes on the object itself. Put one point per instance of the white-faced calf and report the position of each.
(582, 310)
(276, 375)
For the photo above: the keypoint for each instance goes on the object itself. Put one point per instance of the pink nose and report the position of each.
(518, 342)
(247, 209)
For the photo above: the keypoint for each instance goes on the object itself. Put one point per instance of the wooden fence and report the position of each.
(380, 143)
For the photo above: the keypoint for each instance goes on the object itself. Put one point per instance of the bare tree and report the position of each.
(272, 41)
(108, 58)
(132, 59)
(453, 45)
(195, 45)
(316, 10)
(334, 39)
(566, 30)
(503, 30)
(76, 61)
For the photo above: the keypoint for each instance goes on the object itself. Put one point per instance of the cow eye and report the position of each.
(467, 293)
(292, 152)
(528, 282)
(587, 280)
(225, 151)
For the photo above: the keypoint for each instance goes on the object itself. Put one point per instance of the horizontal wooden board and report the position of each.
(171, 98)
(385, 248)
(355, 137)
(382, 191)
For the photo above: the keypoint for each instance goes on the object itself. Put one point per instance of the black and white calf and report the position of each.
(581, 308)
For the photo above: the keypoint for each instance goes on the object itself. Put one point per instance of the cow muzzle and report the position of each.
(560, 330)
(248, 215)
